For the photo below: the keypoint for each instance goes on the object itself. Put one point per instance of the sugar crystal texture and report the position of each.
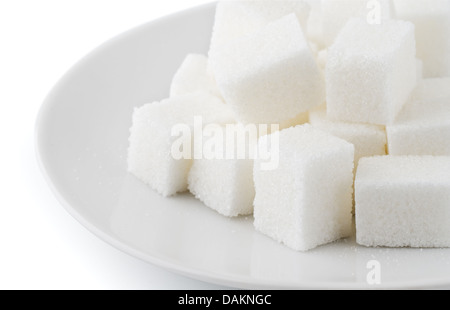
(419, 64)
(269, 10)
(224, 185)
(369, 140)
(192, 77)
(150, 156)
(270, 76)
(307, 200)
(235, 19)
(423, 126)
(403, 201)
(336, 14)
(432, 21)
(314, 28)
(371, 71)
(322, 59)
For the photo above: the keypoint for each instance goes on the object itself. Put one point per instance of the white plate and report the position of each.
(82, 134)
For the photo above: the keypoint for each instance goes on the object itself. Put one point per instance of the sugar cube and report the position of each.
(314, 25)
(270, 76)
(419, 64)
(371, 71)
(403, 201)
(224, 185)
(369, 140)
(307, 201)
(336, 13)
(423, 126)
(193, 77)
(314, 48)
(269, 10)
(432, 21)
(322, 59)
(429, 90)
(150, 156)
(235, 19)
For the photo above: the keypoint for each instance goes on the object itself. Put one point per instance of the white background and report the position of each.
(41, 246)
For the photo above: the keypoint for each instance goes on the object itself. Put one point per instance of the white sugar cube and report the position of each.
(314, 48)
(270, 76)
(336, 13)
(371, 71)
(429, 90)
(150, 156)
(307, 201)
(193, 77)
(269, 10)
(322, 59)
(419, 64)
(403, 201)
(432, 21)
(231, 22)
(423, 126)
(235, 19)
(314, 28)
(369, 140)
(224, 185)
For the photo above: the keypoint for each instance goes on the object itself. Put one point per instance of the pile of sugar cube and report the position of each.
(360, 92)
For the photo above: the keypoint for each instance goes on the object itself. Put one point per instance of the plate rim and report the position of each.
(190, 272)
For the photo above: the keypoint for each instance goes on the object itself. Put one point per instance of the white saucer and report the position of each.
(82, 134)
